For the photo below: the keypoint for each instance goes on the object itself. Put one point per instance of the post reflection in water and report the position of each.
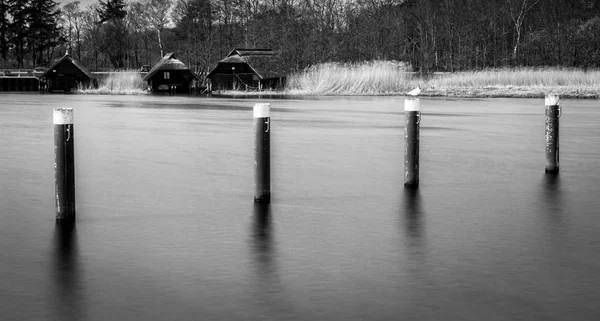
(269, 289)
(66, 272)
(262, 246)
(416, 262)
(550, 199)
(413, 217)
(552, 192)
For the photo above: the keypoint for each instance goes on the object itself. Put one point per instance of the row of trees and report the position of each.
(28, 31)
(432, 35)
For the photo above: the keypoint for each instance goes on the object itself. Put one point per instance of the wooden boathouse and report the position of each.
(246, 69)
(65, 75)
(170, 75)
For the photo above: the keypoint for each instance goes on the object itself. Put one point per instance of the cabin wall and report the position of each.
(63, 83)
(19, 84)
(244, 82)
(176, 82)
(233, 82)
(274, 83)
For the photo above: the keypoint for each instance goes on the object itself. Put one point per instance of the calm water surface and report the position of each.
(167, 229)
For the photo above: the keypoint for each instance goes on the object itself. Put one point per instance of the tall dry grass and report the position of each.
(519, 77)
(366, 78)
(118, 83)
(389, 77)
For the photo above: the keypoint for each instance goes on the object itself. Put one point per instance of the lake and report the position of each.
(167, 228)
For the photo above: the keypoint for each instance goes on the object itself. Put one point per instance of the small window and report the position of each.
(167, 75)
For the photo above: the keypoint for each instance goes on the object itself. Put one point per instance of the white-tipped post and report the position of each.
(64, 165)
(552, 100)
(262, 153)
(553, 113)
(412, 120)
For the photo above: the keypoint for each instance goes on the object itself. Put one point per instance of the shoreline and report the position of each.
(514, 92)
(458, 92)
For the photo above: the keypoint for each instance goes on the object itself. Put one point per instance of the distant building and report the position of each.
(11, 80)
(171, 75)
(65, 75)
(248, 69)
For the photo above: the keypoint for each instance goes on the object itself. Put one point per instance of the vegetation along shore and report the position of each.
(394, 78)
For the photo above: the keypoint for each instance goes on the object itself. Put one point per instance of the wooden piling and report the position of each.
(262, 157)
(412, 119)
(64, 165)
(553, 113)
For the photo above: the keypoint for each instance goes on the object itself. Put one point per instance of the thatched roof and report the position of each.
(68, 59)
(264, 63)
(170, 63)
(251, 52)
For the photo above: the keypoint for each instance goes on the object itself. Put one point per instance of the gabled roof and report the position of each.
(74, 62)
(251, 52)
(264, 63)
(169, 63)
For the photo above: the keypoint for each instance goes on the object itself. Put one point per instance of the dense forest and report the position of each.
(430, 35)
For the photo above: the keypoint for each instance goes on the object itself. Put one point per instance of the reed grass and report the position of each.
(367, 78)
(521, 77)
(395, 78)
(118, 83)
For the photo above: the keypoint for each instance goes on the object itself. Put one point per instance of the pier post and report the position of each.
(412, 119)
(553, 112)
(64, 165)
(262, 157)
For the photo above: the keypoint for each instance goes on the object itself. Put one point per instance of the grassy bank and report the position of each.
(369, 78)
(522, 82)
(117, 83)
(393, 78)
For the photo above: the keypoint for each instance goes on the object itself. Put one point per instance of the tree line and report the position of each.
(431, 35)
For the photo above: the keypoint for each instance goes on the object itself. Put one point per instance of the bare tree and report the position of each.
(91, 32)
(194, 20)
(140, 32)
(73, 17)
(516, 11)
(158, 16)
